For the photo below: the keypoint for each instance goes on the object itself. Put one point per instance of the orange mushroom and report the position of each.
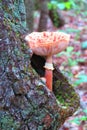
(47, 44)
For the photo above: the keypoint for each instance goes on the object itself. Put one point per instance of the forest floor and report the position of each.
(73, 62)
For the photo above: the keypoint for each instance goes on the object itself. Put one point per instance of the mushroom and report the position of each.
(47, 44)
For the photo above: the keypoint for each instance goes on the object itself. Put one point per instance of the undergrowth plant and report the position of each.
(76, 5)
(73, 58)
(77, 120)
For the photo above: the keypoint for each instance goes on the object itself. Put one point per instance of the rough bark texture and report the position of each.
(25, 102)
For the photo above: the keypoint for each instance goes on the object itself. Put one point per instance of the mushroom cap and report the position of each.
(47, 43)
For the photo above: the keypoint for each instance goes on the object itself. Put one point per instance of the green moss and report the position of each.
(65, 94)
(8, 123)
(15, 15)
(24, 46)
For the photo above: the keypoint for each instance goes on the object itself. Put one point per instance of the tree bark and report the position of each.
(29, 5)
(43, 16)
(25, 101)
(56, 17)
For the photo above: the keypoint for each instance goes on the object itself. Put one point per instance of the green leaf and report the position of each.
(85, 111)
(72, 30)
(83, 118)
(76, 120)
(52, 5)
(69, 49)
(74, 6)
(84, 45)
(61, 6)
(49, 6)
(72, 62)
(78, 53)
(61, 53)
(80, 60)
(68, 5)
(81, 79)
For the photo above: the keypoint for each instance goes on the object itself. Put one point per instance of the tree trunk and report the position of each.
(25, 101)
(54, 14)
(43, 16)
(56, 17)
(29, 4)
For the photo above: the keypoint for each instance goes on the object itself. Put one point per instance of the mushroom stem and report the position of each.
(48, 76)
(49, 71)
